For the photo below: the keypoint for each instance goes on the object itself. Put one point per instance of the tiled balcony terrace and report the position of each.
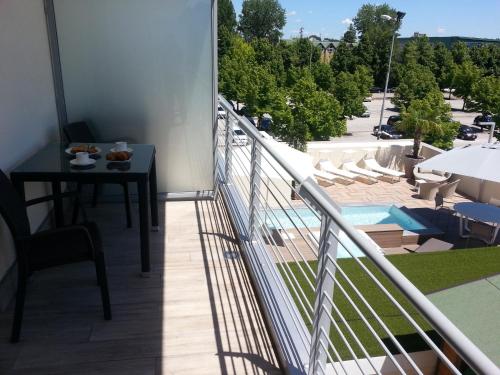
(195, 314)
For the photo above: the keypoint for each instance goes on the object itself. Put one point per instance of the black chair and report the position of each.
(47, 249)
(80, 132)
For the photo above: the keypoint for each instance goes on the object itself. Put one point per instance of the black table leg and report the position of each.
(153, 196)
(58, 204)
(142, 187)
(19, 186)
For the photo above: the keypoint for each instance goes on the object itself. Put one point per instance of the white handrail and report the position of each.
(467, 350)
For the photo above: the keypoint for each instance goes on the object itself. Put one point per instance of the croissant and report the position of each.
(118, 156)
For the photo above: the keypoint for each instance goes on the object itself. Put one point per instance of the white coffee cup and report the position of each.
(121, 146)
(82, 157)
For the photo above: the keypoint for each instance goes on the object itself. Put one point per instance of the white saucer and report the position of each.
(129, 150)
(77, 164)
(120, 161)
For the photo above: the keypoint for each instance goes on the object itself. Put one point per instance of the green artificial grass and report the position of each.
(429, 272)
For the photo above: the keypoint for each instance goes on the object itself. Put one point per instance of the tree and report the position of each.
(350, 89)
(416, 82)
(443, 136)
(226, 26)
(465, 76)
(304, 52)
(486, 57)
(323, 76)
(444, 66)
(419, 51)
(364, 79)
(316, 114)
(348, 94)
(350, 35)
(270, 57)
(485, 96)
(236, 73)
(261, 97)
(262, 19)
(429, 116)
(460, 52)
(375, 36)
(226, 16)
(344, 59)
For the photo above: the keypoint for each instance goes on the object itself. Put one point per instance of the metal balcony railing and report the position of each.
(321, 282)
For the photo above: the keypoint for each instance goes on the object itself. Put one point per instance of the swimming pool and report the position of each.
(356, 215)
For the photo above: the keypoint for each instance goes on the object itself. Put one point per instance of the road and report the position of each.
(360, 129)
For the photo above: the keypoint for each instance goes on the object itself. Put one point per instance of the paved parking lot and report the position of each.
(360, 129)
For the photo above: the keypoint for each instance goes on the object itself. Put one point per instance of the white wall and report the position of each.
(28, 118)
(143, 69)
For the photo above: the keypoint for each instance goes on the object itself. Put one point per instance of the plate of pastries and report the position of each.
(119, 156)
(91, 149)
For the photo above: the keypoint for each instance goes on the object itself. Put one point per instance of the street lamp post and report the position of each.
(399, 17)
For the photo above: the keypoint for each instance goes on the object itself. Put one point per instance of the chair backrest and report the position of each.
(428, 190)
(495, 202)
(447, 190)
(78, 132)
(13, 209)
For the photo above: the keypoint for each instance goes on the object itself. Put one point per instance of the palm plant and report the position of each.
(423, 117)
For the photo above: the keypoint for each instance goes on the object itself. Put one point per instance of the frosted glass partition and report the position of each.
(143, 69)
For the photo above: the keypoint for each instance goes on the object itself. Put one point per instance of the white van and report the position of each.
(239, 137)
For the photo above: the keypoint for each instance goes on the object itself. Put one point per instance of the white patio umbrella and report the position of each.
(477, 161)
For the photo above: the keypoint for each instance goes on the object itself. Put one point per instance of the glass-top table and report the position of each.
(52, 164)
(486, 213)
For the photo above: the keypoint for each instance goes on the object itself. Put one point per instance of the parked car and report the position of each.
(387, 132)
(366, 113)
(367, 99)
(221, 113)
(466, 132)
(393, 119)
(483, 121)
(239, 137)
(375, 89)
(265, 123)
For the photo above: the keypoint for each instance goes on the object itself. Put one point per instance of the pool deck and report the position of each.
(403, 194)
(295, 245)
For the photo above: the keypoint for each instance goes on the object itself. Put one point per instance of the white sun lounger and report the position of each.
(373, 165)
(327, 166)
(352, 167)
(324, 176)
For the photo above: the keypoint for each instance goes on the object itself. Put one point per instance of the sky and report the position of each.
(330, 18)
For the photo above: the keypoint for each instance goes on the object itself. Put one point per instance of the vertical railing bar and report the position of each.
(275, 275)
(304, 261)
(259, 218)
(350, 330)
(291, 241)
(375, 315)
(294, 210)
(292, 187)
(228, 144)
(405, 314)
(332, 361)
(346, 343)
(327, 245)
(369, 326)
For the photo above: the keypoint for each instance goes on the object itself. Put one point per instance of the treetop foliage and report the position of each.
(262, 19)
(309, 99)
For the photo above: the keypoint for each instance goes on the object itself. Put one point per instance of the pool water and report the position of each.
(356, 215)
